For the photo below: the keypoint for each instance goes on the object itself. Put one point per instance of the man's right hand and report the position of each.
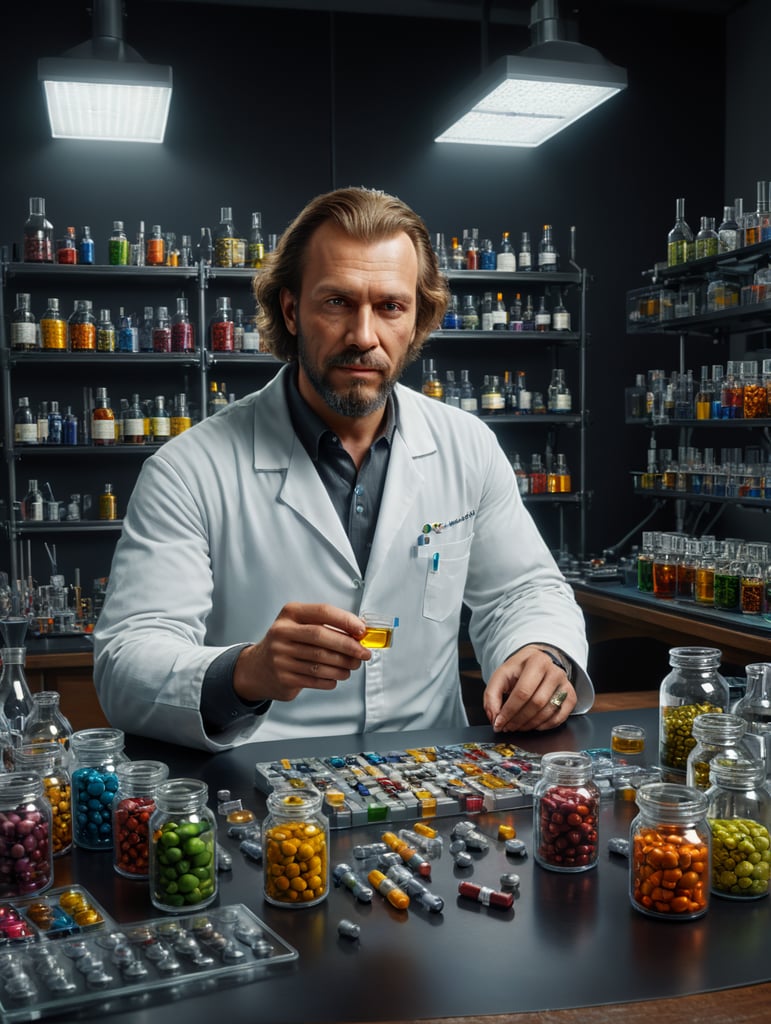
(309, 646)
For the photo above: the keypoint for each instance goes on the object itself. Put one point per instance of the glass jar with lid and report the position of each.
(670, 850)
(295, 840)
(566, 809)
(183, 847)
(739, 814)
(26, 856)
(716, 735)
(132, 810)
(96, 756)
(47, 724)
(49, 762)
(693, 687)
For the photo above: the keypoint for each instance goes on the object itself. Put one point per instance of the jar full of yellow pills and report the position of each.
(295, 843)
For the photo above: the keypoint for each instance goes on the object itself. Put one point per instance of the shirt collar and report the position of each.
(309, 426)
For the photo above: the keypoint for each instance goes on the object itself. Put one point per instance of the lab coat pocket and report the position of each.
(446, 571)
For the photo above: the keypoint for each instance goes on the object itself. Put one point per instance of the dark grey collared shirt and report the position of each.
(356, 496)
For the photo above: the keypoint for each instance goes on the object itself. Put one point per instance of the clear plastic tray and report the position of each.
(47, 970)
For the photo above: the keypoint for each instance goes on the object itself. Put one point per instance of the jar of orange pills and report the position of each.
(670, 852)
(295, 843)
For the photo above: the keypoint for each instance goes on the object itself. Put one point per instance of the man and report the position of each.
(254, 543)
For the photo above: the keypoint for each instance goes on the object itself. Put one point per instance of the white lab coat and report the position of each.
(230, 521)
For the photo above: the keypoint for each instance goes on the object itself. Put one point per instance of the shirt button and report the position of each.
(356, 583)
(359, 509)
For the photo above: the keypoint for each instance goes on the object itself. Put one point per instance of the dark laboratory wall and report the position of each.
(273, 106)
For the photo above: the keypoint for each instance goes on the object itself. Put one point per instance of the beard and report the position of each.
(358, 399)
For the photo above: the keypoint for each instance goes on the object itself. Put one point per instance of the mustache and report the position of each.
(352, 357)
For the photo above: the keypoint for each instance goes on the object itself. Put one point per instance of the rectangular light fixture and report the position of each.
(523, 101)
(103, 90)
(117, 101)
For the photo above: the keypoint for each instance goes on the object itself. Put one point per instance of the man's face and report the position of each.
(354, 320)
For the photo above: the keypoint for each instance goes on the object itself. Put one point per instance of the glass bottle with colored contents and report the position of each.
(127, 332)
(224, 237)
(727, 586)
(81, 327)
(431, 384)
(295, 837)
(739, 814)
(547, 251)
(182, 334)
(38, 233)
(558, 477)
(506, 260)
(162, 330)
(492, 402)
(108, 504)
(693, 686)
(67, 248)
(134, 422)
(645, 564)
(751, 579)
(218, 398)
(704, 584)
(180, 416)
(53, 328)
(105, 332)
(118, 246)
(538, 481)
(132, 808)
(183, 847)
(97, 754)
(102, 420)
(566, 813)
(160, 420)
(86, 247)
(664, 569)
(222, 327)
(679, 238)
(155, 250)
(256, 252)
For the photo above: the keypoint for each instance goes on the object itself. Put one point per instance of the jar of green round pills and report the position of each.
(739, 815)
(183, 849)
(693, 687)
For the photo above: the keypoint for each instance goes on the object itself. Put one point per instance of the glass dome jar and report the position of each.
(183, 847)
(26, 857)
(48, 761)
(96, 756)
(669, 858)
(693, 687)
(132, 810)
(295, 843)
(46, 723)
(715, 735)
(566, 811)
(739, 814)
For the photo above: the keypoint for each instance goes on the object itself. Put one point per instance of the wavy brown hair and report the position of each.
(368, 216)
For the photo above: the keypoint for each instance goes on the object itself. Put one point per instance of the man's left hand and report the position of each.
(526, 693)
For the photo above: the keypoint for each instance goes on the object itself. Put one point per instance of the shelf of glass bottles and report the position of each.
(753, 493)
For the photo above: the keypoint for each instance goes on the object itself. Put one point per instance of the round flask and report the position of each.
(693, 687)
(295, 839)
(26, 856)
(183, 847)
(670, 852)
(755, 706)
(739, 814)
(97, 754)
(566, 807)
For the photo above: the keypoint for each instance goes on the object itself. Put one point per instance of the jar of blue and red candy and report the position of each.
(183, 847)
(97, 754)
(566, 813)
(132, 809)
(26, 854)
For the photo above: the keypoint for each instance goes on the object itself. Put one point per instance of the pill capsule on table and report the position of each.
(348, 929)
(507, 832)
(251, 849)
(487, 896)
(515, 847)
(343, 874)
(616, 844)
(425, 830)
(472, 837)
(430, 846)
(389, 890)
(415, 889)
(510, 881)
(369, 850)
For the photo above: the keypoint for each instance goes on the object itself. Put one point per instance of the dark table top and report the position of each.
(571, 940)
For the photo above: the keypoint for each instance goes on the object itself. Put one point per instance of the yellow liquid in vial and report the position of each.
(377, 637)
(627, 744)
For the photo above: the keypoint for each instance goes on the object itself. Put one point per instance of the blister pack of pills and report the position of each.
(51, 961)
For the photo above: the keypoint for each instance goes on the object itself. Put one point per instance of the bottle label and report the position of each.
(251, 340)
(25, 433)
(547, 260)
(493, 402)
(542, 321)
(133, 428)
(506, 261)
(161, 427)
(469, 404)
(563, 402)
(23, 335)
(180, 424)
(561, 321)
(42, 430)
(525, 261)
(487, 321)
(524, 400)
(103, 430)
(224, 252)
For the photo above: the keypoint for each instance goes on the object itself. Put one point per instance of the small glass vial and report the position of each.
(26, 817)
(108, 504)
(38, 233)
(183, 847)
(132, 809)
(53, 328)
(118, 246)
(222, 327)
(716, 735)
(97, 754)
(24, 336)
(693, 687)
(162, 330)
(566, 809)
(182, 337)
(295, 840)
(48, 761)
(81, 327)
(739, 814)
(670, 839)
